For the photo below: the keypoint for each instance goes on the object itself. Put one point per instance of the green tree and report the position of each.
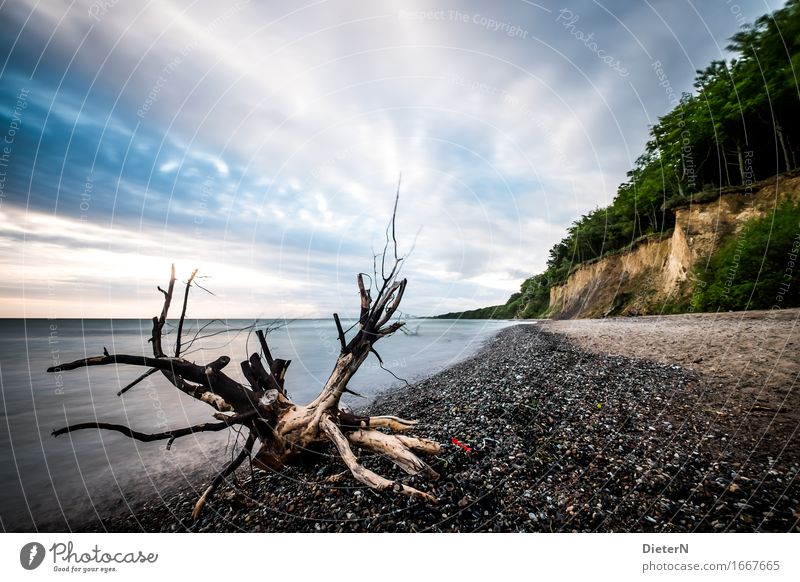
(756, 269)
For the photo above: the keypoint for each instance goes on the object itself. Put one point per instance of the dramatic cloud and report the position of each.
(264, 143)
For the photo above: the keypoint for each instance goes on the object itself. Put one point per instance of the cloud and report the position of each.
(266, 142)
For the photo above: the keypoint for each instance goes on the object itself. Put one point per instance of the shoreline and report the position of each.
(750, 356)
(563, 439)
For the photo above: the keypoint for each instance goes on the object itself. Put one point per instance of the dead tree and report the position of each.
(282, 430)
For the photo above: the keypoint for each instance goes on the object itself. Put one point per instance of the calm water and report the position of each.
(57, 483)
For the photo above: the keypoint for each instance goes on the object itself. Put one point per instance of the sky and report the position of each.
(263, 142)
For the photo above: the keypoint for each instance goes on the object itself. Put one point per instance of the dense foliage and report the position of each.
(756, 269)
(740, 125)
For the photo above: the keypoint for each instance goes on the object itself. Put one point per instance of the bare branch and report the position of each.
(158, 322)
(394, 449)
(394, 216)
(265, 381)
(391, 422)
(366, 301)
(340, 332)
(226, 391)
(390, 310)
(149, 437)
(420, 445)
(183, 313)
(284, 430)
(391, 329)
(227, 470)
(248, 374)
(263, 340)
(350, 421)
(360, 472)
(278, 371)
(149, 372)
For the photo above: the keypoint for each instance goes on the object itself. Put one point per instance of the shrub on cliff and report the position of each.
(758, 268)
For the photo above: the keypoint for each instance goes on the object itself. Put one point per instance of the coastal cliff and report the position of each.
(656, 273)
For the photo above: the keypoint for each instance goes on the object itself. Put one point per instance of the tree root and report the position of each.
(394, 449)
(227, 470)
(262, 408)
(361, 473)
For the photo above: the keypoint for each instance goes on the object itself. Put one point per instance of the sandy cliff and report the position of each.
(656, 271)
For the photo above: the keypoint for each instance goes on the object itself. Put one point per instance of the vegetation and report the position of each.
(756, 269)
(739, 125)
(533, 298)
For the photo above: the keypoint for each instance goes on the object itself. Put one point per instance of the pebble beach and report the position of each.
(560, 438)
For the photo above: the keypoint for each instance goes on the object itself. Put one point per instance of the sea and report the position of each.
(63, 483)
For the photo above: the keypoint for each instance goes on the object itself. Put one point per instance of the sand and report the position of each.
(749, 361)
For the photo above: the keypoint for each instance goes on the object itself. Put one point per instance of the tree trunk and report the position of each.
(725, 166)
(740, 156)
(281, 429)
(784, 148)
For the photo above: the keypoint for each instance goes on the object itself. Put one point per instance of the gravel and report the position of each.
(563, 440)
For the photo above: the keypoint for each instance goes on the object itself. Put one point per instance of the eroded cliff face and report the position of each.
(657, 271)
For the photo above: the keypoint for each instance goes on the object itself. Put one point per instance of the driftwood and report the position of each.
(282, 430)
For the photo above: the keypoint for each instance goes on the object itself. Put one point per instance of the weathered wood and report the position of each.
(149, 437)
(227, 470)
(348, 420)
(183, 313)
(249, 376)
(260, 373)
(225, 391)
(340, 332)
(420, 445)
(391, 422)
(149, 372)
(361, 473)
(282, 429)
(158, 322)
(278, 371)
(393, 448)
(264, 347)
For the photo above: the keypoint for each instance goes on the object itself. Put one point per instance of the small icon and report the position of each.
(599, 406)
(31, 555)
(457, 443)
